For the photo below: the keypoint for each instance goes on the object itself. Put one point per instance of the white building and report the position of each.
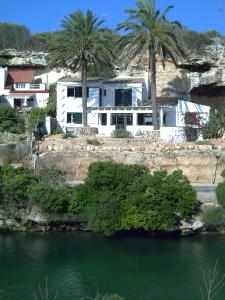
(120, 102)
(19, 90)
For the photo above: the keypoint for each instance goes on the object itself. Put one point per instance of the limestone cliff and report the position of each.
(200, 78)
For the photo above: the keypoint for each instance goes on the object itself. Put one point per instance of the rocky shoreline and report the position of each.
(19, 225)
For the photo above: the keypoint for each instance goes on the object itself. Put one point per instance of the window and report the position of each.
(122, 119)
(103, 119)
(105, 93)
(145, 119)
(70, 92)
(76, 92)
(123, 97)
(20, 85)
(75, 118)
(30, 102)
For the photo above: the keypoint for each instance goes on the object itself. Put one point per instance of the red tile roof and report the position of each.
(19, 76)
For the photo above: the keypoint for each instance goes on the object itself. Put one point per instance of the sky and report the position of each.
(46, 15)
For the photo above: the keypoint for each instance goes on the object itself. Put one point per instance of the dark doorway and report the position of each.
(17, 103)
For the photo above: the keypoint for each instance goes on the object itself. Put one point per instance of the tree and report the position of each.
(10, 121)
(14, 36)
(82, 43)
(148, 32)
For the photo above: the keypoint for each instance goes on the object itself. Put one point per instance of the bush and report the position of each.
(57, 131)
(121, 134)
(94, 142)
(68, 135)
(126, 197)
(220, 191)
(51, 200)
(215, 127)
(36, 115)
(10, 121)
(214, 216)
(16, 183)
(52, 176)
(51, 106)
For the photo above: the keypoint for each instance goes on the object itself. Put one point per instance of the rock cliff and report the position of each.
(200, 78)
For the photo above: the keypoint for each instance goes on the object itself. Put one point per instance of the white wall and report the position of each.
(109, 99)
(172, 135)
(187, 106)
(2, 79)
(50, 77)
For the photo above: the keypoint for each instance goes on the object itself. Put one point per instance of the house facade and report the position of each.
(19, 89)
(120, 102)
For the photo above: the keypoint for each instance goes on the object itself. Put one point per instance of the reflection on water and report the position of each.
(79, 265)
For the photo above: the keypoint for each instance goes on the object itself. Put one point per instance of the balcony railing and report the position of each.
(29, 86)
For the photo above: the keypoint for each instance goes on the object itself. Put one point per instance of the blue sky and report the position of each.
(45, 15)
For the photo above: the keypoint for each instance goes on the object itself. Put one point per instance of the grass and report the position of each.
(68, 135)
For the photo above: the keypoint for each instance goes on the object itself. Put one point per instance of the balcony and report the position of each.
(29, 86)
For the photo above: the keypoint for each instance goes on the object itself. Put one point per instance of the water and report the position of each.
(79, 265)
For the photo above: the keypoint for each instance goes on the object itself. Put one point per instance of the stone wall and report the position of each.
(199, 166)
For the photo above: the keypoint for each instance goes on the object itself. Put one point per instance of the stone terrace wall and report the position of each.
(200, 163)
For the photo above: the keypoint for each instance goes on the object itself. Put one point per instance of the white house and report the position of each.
(120, 102)
(18, 89)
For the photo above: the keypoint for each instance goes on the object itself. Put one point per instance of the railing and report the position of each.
(29, 86)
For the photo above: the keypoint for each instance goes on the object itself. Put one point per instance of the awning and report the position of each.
(22, 95)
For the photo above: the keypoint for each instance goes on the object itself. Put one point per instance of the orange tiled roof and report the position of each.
(19, 76)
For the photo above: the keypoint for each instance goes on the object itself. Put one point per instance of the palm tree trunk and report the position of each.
(84, 91)
(152, 60)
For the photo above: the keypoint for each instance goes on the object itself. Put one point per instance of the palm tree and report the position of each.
(148, 31)
(83, 42)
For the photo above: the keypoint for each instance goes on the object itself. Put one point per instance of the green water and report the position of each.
(79, 265)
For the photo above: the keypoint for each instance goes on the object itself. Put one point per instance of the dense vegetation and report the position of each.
(10, 121)
(216, 215)
(220, 191)
(18, 37)
(114, 197)
(215, 127)
(14, 36)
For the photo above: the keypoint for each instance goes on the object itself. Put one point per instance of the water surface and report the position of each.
(79, 265)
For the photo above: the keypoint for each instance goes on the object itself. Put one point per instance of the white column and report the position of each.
(108, 118)
(161, 117)
(135, 118)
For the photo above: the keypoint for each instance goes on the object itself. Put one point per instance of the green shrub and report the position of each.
(51, 106)
(68, 135)
(220, 193)
(57, 131)
(94, 142)
(215, 127)
(16, 184)
(121, 134)
(10, 121)
(36, 115)
(52, 176)
(125, 197)
(214, 216)
(50, 199)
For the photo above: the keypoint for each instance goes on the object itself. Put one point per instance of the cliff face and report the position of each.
(200, 79)
(15, 58)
